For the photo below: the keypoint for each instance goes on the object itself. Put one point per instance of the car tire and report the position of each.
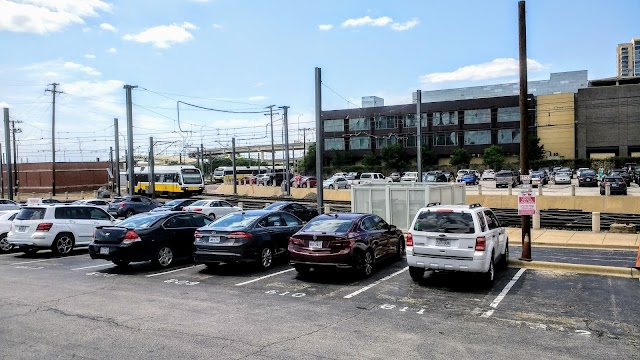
(304, 185)
(330, 187)
(121, 263)
(417, 274)
(265, 257)
(400, 249)
(347, 186)
(302, 269)
(364, 263)
(601, 192)
(504, 260)
(5, 246)
(62, 244)
(129, 214)
(490, 275)
(163, 256)
(624, 192)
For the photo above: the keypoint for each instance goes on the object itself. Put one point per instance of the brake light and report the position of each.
(240, 235)
(131, 237)
(122, 204)
(197, 234)
(44, 227)
(409, 240)
(197, 209)
(481, 243)
(294, 241)
(183, 209)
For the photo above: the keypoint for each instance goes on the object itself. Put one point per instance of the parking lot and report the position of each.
(77, 307)
(489, 188)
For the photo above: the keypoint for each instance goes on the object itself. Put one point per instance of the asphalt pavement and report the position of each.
(75, 307)
(620, 258)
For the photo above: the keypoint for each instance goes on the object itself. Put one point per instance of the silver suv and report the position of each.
(465, 238)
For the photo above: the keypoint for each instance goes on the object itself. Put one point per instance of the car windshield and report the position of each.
(31, 214)
(330, 180)
(588, 173)
(274, 206)
(200, 203)
(191, 177)
(328, 225)
(140, 221)
(445, 222)
(234, 221)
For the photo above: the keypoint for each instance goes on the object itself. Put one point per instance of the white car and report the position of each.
(410, 176)
(57, 227)
(465, 238)
(6, 204)
(488, 175)
(6, 219)
(562, 178)
(214, 208)
(371, 178)
(340, 175)
(336, 183)
(102, 204)
(461, 173)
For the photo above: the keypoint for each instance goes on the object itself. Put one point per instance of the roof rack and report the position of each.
(433, 204)
(476, 205)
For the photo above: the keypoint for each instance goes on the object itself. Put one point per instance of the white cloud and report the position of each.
(4, 105)
(108, 27)
(404, 26)
(367, 20)
(85, 69)
(47, 16)
(325, 27)
(497, 68)
(258, 98)
(163, 36)
(189, 26)
(217, 26)
(258, 84)
(112, 50)
(89, 56)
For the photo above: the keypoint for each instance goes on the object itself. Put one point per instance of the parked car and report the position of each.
(247, 236)
(212, 207)
(566, 170)
(6, 204)
(130, 205)
(465, 238)
(174, 205)
(277, 177)
(371, 178)
(409, 176)
(301, 212)
(579, 171)
(353, 175)
(622, 173)
(336, 183)
(50, 201)
(470, 178)
(506, 177)
(57, 227)
(340, 174)
(395, 177)
(449, 176)
(631, 167)
(488, 174)
(636, 175)
(461, 173)
(356, 241)
(434, 177)
(588, 177)
(616, 183)
(308, 181)
(539, 178)
(104, 205)
(6, 219)
(157, 237)
(562, 177)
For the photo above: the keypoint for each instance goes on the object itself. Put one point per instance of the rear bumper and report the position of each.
(342, 259)
(430, 262)
(226, 254)
(593, 183)
(133, 253)
(37, 240)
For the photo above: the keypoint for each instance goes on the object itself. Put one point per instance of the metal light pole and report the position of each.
(273, 149)
(319, 144)
(419, 134)
(117, 157)
(152, 173)
(524, 123)
(130, 160)
(7, 140)
(286, 149)
(233, 163)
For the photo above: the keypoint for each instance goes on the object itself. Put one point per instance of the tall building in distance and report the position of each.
(628, 57)
(372, 101)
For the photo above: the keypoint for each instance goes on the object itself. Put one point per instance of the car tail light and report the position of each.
(183, 209)
(122, 204)
(131, 237)
(294, 241)
(240, 235)
(481, 243)
(197, 209)
(409, 240)
(197, 234)
(44, 227)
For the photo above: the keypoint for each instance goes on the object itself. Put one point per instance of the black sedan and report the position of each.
(616, 184)
(247, 236)
(588, 178)
(301, 212)
(159, 237)
(174, 205)
(623, 174)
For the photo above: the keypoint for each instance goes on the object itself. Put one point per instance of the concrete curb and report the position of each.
(631, 273)
(583, 246)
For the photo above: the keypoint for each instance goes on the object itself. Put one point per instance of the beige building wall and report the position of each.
(625, 59)
(555, 118)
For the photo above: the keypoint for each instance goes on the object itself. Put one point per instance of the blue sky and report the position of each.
(243, 55)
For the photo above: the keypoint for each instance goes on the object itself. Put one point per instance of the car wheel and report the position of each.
(416, 273)
(163, 257)
(62, 244)
(331, 187)
(400, 249)
(601, 192)
(364, 264)
(265, 260)
(489, 276)
(4, 243)
(624, 192)
(347, 186)
(302, 269)
(504, 261)
(129, 213)
(304, 185)
(120, 263)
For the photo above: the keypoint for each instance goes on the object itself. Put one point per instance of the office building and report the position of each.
(628, 58)
(372, 101)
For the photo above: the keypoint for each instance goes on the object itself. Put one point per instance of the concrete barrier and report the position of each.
(595, 222)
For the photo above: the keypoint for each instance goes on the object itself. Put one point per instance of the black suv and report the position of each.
(278, 177)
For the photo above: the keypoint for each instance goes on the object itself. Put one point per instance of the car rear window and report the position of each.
(31, 214)
(328, 225)
(200, 203)
(140, 221)
(504, 174)
(445, 222)
(274, 206)
(235, 221)
(588, 172)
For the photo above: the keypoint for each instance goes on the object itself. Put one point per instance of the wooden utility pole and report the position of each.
(524, 123)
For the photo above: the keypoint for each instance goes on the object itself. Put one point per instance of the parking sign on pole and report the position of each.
(526, 203)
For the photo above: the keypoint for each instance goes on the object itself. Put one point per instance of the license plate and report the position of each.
(22, 228)
(315, 244)
(214, 239)
(104, 250)
(614, 185)
(443, 242)
(588, 179)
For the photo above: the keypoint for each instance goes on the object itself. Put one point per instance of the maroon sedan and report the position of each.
(355, 241)
(307, 181)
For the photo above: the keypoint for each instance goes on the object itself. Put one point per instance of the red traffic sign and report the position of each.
(526, 203)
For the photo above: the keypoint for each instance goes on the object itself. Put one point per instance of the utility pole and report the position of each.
(233, 163)
(152, 173)
(524, 123)
(319, 144)
(117, 155)
(7, 144)
(53, 137)
(273, 149)
(113, 175)
(1, 175)
(15, 130)
(130, 163)
(419, 133)
(285, 109)
(202, 159)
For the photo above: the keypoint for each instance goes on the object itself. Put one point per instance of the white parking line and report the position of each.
(375, 283)
(264, 277)
(176, 270)
(89, 267)
(503, 293)
(35, 261)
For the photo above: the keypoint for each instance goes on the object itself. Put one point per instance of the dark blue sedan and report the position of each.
(470, 178)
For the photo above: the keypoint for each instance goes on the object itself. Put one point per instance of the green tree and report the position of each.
(342, 158)
(493, 156)
(394, 157)
(460, 157)
(309, 162)
(536, 150)
(370, 160)
(429, 157)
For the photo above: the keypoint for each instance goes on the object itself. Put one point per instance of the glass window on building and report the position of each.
(387, 122)
(385, 141)
(359, 124)
(477, 137)
(509, 114)
(334, 144)
(478, 116)
(334, 125)
(509, 136)
(445, 139)
(410, 120)
(359, 143)
(445, 118)
(410, 141)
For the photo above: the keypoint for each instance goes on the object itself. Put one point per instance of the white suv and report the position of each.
(465, 238)
(56, 227)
